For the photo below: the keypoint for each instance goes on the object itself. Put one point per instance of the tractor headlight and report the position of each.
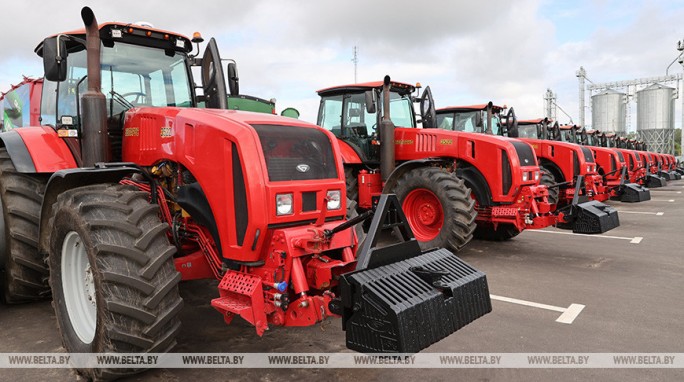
(588, 168)
(334, 200)
(537, 174)
(284, 204)
(526, 176)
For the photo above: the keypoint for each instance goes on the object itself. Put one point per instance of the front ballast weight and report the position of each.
(590, 217)
(631, 192)
(401, 299)
(655, 181)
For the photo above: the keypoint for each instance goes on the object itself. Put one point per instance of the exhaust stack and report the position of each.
(95, 142)
(386, 134)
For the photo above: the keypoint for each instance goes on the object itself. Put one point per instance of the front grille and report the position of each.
(309, 201)
(526, 155)
(296, 153)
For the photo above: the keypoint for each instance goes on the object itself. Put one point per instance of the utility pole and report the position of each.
(355, 60)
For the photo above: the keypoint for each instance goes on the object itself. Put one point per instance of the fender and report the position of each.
(405, 167)
(350, 153)
(37, 150)
(63, 180)
(554, 169)
(472, 177)
(477, 184)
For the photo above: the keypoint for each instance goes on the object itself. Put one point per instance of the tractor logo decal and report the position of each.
(166, 132)
(303, 167)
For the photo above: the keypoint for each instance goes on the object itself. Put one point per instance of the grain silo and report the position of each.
(608, 111)
(655, 117)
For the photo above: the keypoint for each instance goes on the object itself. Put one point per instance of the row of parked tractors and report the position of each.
(126, 181)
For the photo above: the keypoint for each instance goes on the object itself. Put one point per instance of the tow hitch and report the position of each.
(402, 300)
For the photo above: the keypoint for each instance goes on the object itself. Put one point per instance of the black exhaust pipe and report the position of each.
(95, 142)
(386, 134)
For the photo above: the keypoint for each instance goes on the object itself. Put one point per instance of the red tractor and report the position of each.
(20, 106)
(653, 180)
(564, 166)
(449, 183)
(613, 168)
(129, 192)
(636, 171)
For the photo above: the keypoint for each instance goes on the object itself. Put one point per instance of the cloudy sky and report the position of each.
(509, 52)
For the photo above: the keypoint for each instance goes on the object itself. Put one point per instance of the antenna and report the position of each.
(355, 60)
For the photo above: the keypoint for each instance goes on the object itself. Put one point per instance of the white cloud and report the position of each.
(469, 52)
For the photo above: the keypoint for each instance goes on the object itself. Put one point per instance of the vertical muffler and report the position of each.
(402, 300)
(95, 142)
(386, 134)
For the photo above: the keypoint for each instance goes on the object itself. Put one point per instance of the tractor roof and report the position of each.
(568, 127)
(532, 121)
(25, 80)
(401, 87)
(132, 33)
(468, 108)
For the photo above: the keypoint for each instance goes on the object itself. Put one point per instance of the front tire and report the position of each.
(547, 179)
(23, 272)
(114, 284)
(438, 207)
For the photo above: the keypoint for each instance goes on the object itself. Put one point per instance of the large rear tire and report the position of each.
(352, 183)
(548, 179)
(23, 272)
(438, 207)
(114, 284)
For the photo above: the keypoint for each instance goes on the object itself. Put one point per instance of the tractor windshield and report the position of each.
(527, 131)
(567, 135)
(346, 114)
(132, 76)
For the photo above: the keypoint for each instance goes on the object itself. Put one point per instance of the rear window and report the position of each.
(296, 153)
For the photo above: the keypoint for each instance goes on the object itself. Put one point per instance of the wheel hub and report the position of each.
(424, 213)
(78, 287)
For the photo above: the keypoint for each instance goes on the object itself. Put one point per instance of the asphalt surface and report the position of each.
(631, 290)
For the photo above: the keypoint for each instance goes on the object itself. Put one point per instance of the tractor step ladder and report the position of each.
(242, 295)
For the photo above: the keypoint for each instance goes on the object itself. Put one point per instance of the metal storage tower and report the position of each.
(655, 117)
(609, 112)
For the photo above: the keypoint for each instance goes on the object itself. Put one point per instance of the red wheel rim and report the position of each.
(424, 213)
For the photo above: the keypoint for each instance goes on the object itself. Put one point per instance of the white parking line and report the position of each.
(569, 314)
(662, 200)
(641, 213)
(659, 190)
(632, 240)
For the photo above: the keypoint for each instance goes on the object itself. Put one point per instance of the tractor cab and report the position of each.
(534, 128)
(354, 112)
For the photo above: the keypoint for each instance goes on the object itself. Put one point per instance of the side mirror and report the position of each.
(233, 79)
(370, 102)
(290, 112)
(55, 59)
(427, 109)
